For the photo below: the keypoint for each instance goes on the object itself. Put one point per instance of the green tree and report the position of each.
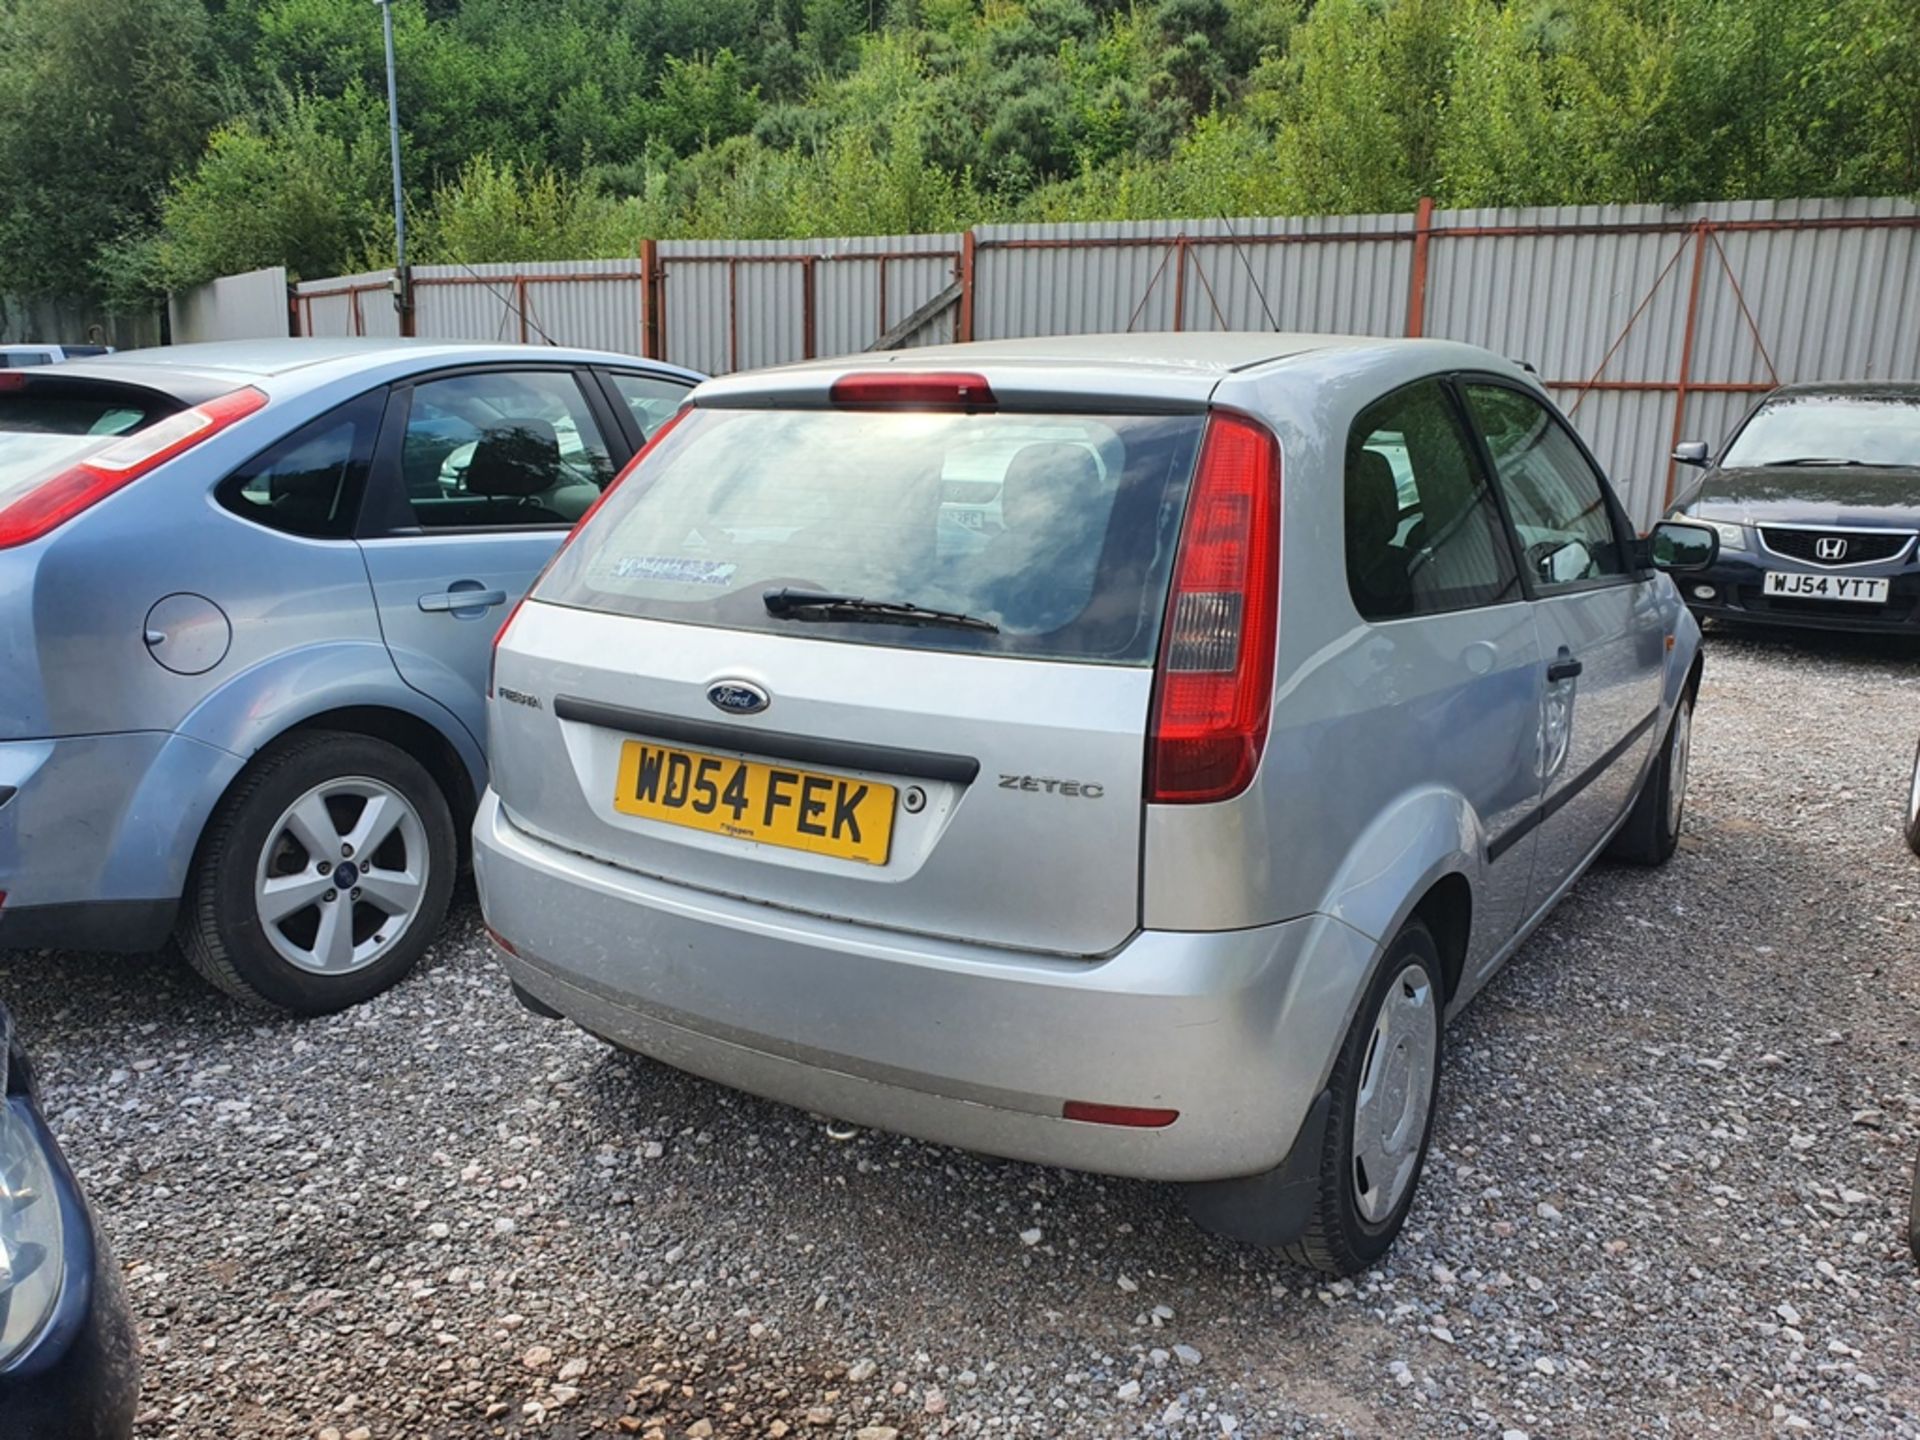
(494, 211)
(702, 102)
(100, 101)
(301, 189)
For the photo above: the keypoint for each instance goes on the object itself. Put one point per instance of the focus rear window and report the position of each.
(1058, 528)
(48, 425)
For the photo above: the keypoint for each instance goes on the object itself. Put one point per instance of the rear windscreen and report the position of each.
(1057, 529)
(47, 426)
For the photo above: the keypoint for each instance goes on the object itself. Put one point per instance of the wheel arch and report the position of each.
(1414, 844)
(350, 687)
(1447, 910)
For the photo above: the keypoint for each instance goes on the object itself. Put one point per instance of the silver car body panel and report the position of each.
(1400, 753)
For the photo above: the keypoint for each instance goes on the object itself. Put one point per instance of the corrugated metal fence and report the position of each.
(1650, 324)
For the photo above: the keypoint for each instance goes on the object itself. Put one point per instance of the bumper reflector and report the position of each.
(1138, 1117)
(501, 941)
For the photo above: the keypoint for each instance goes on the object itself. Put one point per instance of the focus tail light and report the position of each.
(1213, 688)
(57, 499)
(493, 656)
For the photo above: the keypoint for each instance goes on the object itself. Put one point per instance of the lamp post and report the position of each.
(402, 297)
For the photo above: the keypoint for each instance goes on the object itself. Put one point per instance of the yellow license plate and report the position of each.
(772, 804)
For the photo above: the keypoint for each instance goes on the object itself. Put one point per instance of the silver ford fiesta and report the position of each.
(1119, 752)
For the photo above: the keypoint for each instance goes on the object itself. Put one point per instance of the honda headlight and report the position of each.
(31, 1242)
(1733, 536)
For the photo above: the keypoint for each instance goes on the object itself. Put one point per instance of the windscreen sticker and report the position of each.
(677, 569)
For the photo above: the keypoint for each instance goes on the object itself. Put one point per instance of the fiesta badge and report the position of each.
(738, 697)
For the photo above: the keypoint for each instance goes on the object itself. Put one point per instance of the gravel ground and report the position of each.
(1666, 1195)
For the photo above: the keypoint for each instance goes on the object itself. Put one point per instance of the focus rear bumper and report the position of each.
(959, 1044)
(97, 835)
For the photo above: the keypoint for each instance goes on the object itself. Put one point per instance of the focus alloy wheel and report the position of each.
(322, 875)
(342, 876)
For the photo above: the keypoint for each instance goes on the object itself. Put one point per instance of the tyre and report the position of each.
(1653, 826)
(1382, 1093)
(1913, 1214)
(322, 876)
(1913, 806)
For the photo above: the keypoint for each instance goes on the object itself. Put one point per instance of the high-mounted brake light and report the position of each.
(907, 390)
(60, 497)
(1213, 688)
(493, 655)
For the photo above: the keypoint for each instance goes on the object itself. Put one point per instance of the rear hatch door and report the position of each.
(978, 777)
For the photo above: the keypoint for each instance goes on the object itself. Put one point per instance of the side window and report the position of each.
(502, 448)
(1423, 532)
(20, 359)
(652, 400)
(1557, 500)
(311, 482)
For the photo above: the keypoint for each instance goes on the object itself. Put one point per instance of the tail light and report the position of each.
(57, 499)
(1213, 690)
(493, 657)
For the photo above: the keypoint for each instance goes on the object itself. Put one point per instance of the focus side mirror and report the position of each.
(1675, 545)
(1692, 452)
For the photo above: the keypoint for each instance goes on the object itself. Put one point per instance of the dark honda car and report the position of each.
(69, 1369)
(1817, 501)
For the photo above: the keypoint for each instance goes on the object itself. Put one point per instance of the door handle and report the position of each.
(1565, 668)
(462, 600)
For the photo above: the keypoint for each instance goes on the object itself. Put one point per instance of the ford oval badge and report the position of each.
(738, 697)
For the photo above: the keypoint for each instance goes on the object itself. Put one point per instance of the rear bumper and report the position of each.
(97, 835)
(1736, 579)
(959, 1044)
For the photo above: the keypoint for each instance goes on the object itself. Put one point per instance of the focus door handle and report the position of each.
(463, 600)
(1565, 668)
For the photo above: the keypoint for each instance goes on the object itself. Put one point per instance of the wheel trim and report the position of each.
(346, 835)
(1913, 795)
(1679, 748)
(1395, 1095)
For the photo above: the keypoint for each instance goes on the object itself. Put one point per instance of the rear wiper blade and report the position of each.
(790, 604)
(1818, 460)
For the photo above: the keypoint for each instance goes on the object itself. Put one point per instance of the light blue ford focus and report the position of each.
(247, 597)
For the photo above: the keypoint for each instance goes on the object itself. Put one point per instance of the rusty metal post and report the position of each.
(1417, 286)
(883, 294)
(806, 308)
(520, 304)
(733, 315)
(653, 343)
(1180, 282)
(963, 319)
(1700, 234)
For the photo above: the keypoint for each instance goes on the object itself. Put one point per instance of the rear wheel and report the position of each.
(323, 875)
(1652, 830)
(1913, 1214)
(1383, 1089)
(1913, 806)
